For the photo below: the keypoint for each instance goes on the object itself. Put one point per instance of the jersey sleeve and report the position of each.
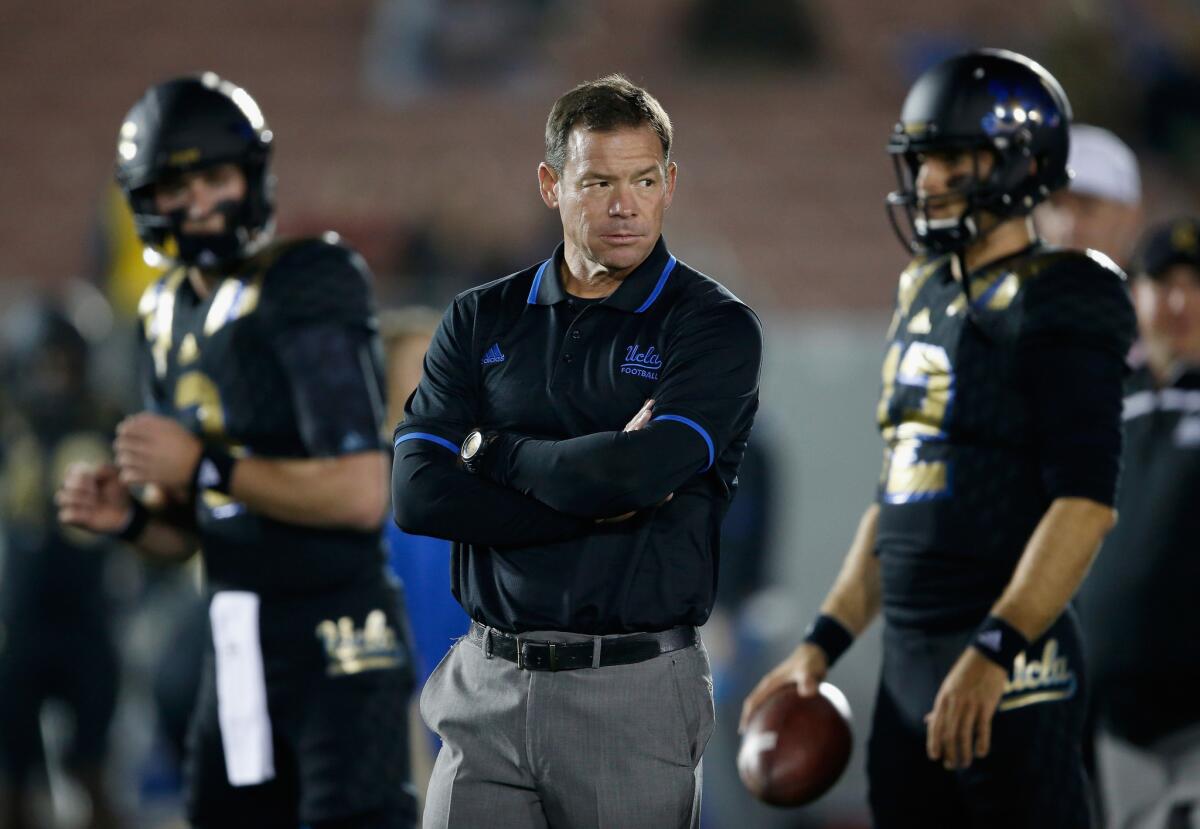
(446, 402)
(319, 318)
(431, 494)
(1077, 326)
(710, 375)
(1080, 300)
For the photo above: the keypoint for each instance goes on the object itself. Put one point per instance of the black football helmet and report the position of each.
(189, 124)
(986, 99)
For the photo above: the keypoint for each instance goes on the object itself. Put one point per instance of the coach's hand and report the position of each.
(152, 449)
(806, 667)
(959, 728)
(639, 420)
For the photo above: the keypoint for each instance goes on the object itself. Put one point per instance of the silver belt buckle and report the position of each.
(520, 654)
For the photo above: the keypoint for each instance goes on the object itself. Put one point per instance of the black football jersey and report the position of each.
(964, 483)
(261, 367)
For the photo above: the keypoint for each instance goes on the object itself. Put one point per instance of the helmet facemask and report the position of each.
(246, 228)
(977, 193)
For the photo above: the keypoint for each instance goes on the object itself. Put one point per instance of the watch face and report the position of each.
(471, 445)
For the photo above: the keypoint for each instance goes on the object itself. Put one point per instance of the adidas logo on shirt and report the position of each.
(493, 355)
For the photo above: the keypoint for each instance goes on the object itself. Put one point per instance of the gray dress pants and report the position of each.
(617, 747)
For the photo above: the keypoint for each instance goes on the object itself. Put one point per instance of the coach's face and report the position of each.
(611, 195)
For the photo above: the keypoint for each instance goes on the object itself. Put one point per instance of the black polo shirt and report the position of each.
(558, 378)
(1138, 603)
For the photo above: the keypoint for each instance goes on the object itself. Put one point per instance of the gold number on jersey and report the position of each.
(924, 369)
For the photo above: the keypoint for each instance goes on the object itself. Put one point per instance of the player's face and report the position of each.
(1168, 310)
(943, 176)
(198, 193)
(611, 195)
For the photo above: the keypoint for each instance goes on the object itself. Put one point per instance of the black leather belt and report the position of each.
(569, 656)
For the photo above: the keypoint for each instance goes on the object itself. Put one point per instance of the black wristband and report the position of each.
(139, 517)
(214, 470)
(831, 636)
(999, 641)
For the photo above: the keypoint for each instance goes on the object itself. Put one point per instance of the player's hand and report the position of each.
(806, 667)
(152, 449)
(93, 498)
(642, 417)
(959, 728)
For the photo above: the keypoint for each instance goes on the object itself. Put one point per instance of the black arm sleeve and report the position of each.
(334, 374)
(601, 475)
(1077, 327)
(317, 314)
(431, 495)
(708, 394)
(1075, 393)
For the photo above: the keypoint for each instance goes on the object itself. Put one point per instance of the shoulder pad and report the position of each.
(1080, 296)
(1079, 261)
(324, 252)
(317, 278)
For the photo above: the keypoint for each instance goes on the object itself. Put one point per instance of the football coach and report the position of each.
(577, 435)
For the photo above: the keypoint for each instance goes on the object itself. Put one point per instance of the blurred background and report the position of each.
(414, 129)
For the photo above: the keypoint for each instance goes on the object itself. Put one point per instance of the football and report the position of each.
(795, 748)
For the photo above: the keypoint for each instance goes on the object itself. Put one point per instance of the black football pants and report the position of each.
(1033, 776)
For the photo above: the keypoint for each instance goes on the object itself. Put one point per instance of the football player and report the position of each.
(56, 641)
(1001, 417)
(260, 442)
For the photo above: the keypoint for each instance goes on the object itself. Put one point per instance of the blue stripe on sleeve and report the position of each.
(426, 436)
(699, 430)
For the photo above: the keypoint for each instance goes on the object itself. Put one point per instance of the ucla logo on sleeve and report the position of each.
(639, 363)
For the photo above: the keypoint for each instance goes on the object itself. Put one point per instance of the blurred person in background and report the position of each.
(1101, 208)
(1138, 604)
(56, 612)
(260, 444)
(1001, 416)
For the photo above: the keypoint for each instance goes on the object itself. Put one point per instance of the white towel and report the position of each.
(241, 689)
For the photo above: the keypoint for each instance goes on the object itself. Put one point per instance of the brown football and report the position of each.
(795, 748)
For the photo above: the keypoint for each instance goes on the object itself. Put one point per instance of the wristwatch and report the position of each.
(474, 447)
